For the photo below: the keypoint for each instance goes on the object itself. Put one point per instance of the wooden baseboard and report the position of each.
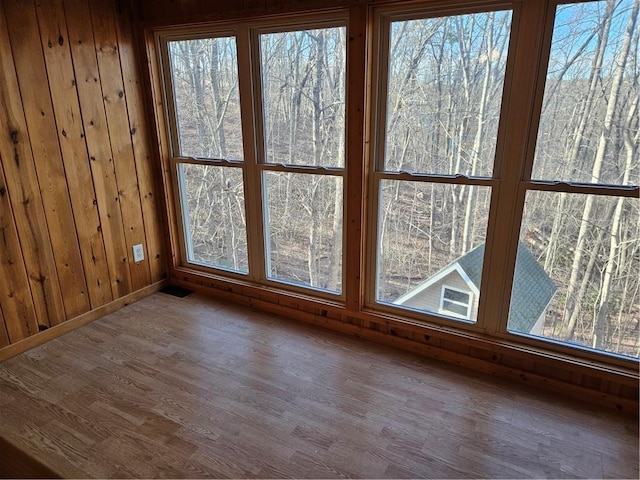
(77, 322)
(617, 390)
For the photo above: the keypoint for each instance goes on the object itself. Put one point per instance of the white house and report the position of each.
(455, 290)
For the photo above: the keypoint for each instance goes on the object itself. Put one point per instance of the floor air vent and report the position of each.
(176, 291)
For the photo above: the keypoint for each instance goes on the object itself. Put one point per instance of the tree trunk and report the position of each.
(595, 172)
(605, 289)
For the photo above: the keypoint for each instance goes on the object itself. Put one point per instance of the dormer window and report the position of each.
(455, 302)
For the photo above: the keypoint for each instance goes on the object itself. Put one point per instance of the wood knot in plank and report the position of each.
(40, 278)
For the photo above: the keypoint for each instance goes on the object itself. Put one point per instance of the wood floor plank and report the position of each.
(193, 388)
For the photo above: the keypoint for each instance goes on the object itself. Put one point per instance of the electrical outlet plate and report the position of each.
(138, 253)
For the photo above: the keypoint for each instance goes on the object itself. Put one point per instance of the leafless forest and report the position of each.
(443, 101)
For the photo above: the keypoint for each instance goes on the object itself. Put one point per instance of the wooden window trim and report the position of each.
(246, 35)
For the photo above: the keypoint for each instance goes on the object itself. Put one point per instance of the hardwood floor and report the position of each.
(191, 387)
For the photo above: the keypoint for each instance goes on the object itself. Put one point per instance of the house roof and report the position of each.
(532, 287)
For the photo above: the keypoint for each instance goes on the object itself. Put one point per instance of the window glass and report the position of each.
(304, 229)
(303, 91)
(577, 268)
(445, 81)
(207, 103)
(455, 302)
(589, 125)
(215, 227)
(303, 224)
(577, 273)
(456, 296)
(430, 235)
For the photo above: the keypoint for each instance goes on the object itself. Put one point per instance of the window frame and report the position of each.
(247, 38)
(523, 183)
(515, 150)
(162, 40)
(383, 16)
(468, 305)
(330, 20)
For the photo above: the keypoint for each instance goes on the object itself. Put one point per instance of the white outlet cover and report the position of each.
(138, 253)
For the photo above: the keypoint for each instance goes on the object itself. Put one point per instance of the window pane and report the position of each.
(430, 235)
(215, 229)
(589, 124)
(454, 308)
(456, 296)
(303, 89)
(303, 226)
(445, 82)
(205, 84)
(577, 272)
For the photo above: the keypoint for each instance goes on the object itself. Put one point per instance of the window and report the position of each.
(258, 149)
(455, 302)
(580, 217)
(303, 94)
(499, 194)
(208, 146)
(438, 108)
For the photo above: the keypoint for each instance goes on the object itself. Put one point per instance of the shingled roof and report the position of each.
(532, 287)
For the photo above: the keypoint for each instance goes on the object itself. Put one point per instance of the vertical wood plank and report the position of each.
(4, 336)
(15, 295)
(29, 62)
(141, 144)
(26, 202)
(355, 121)
(190, 7)
(53, 34)
(160, 9)
(162, 139)
(252, 5)
(94, 119)
(104, 33)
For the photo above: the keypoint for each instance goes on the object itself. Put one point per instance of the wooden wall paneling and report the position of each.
(4, 336)
(162, 139)
(83, 54)
(161, 8)
(191, 7)
(106, 42)
(356, 83)
(210, 8)
(57, 54)
(30, 68)
(22, 182)
(139, 136)
(254, 5)
(15, 296)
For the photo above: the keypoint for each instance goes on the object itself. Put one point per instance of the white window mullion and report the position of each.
(251, 108)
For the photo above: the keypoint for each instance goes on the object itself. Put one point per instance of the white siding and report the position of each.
(429, 298)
